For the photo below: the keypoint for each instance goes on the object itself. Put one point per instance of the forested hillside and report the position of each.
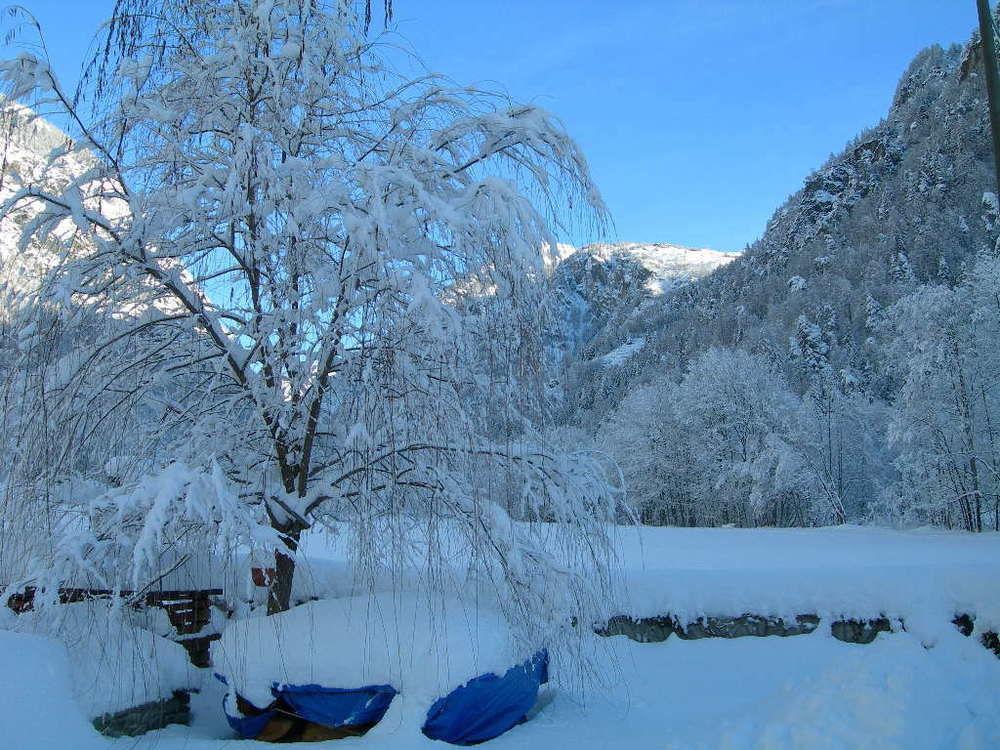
(828, 372)
(601, 293)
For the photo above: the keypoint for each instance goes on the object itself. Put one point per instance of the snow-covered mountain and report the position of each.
(29, 144)
(859, 307)
(669, 266)
(601, 286)
(907, 202)
(604, 292)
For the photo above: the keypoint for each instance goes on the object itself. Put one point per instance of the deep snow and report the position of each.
(925, 576)
(422, 646)
(114, 665)
(925, 687)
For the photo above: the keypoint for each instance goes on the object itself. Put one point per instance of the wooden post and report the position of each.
(989, 49)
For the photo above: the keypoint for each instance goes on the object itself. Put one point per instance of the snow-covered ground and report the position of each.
(923, 687)
(927, 574)
(618, 355)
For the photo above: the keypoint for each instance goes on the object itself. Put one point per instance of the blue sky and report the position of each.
(699, 117)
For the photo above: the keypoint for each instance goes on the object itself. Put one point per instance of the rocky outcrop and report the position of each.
(966, 625)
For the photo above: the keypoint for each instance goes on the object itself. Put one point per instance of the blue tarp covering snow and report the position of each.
(249, 727)
(331, 707)
(245, 726)
(487, 706)
(336, 707)
(481, 709)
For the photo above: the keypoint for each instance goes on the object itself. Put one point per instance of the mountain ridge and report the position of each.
(902, 203)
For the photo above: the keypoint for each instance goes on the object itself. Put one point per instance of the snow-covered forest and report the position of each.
(840, 368)
(336, 409)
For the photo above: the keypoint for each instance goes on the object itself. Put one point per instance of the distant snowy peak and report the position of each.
(668, 265)
(28, 143)
(25, 129)
(603, 289)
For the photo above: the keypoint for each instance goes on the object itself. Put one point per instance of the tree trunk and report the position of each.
(975, 522)
(992, 78)
(279, 592)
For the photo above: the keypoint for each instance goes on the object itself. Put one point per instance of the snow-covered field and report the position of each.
(923, 575)
(926, 686)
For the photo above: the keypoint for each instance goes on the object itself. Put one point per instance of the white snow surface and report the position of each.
(922, 687)
(618, 355)
(113, 663)
(37, 697)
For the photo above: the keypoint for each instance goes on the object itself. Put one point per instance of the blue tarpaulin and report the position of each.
(481, 709)
(248, 726)
(487, 706)
(331, 707)
(337, 707)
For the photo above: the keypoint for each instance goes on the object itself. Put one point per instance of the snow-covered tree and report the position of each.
(943, 342)
(317, 289)
(837, 430)
(839, 433)
(658, 461)
(717, 448)
(738, 408)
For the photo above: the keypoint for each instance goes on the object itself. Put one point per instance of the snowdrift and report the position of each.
(37, 696)
(114, 664)
(449, 668)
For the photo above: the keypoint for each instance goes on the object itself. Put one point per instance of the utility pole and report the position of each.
(989, 48)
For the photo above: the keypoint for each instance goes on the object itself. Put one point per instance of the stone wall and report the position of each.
(144, 718)
(659, 628)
